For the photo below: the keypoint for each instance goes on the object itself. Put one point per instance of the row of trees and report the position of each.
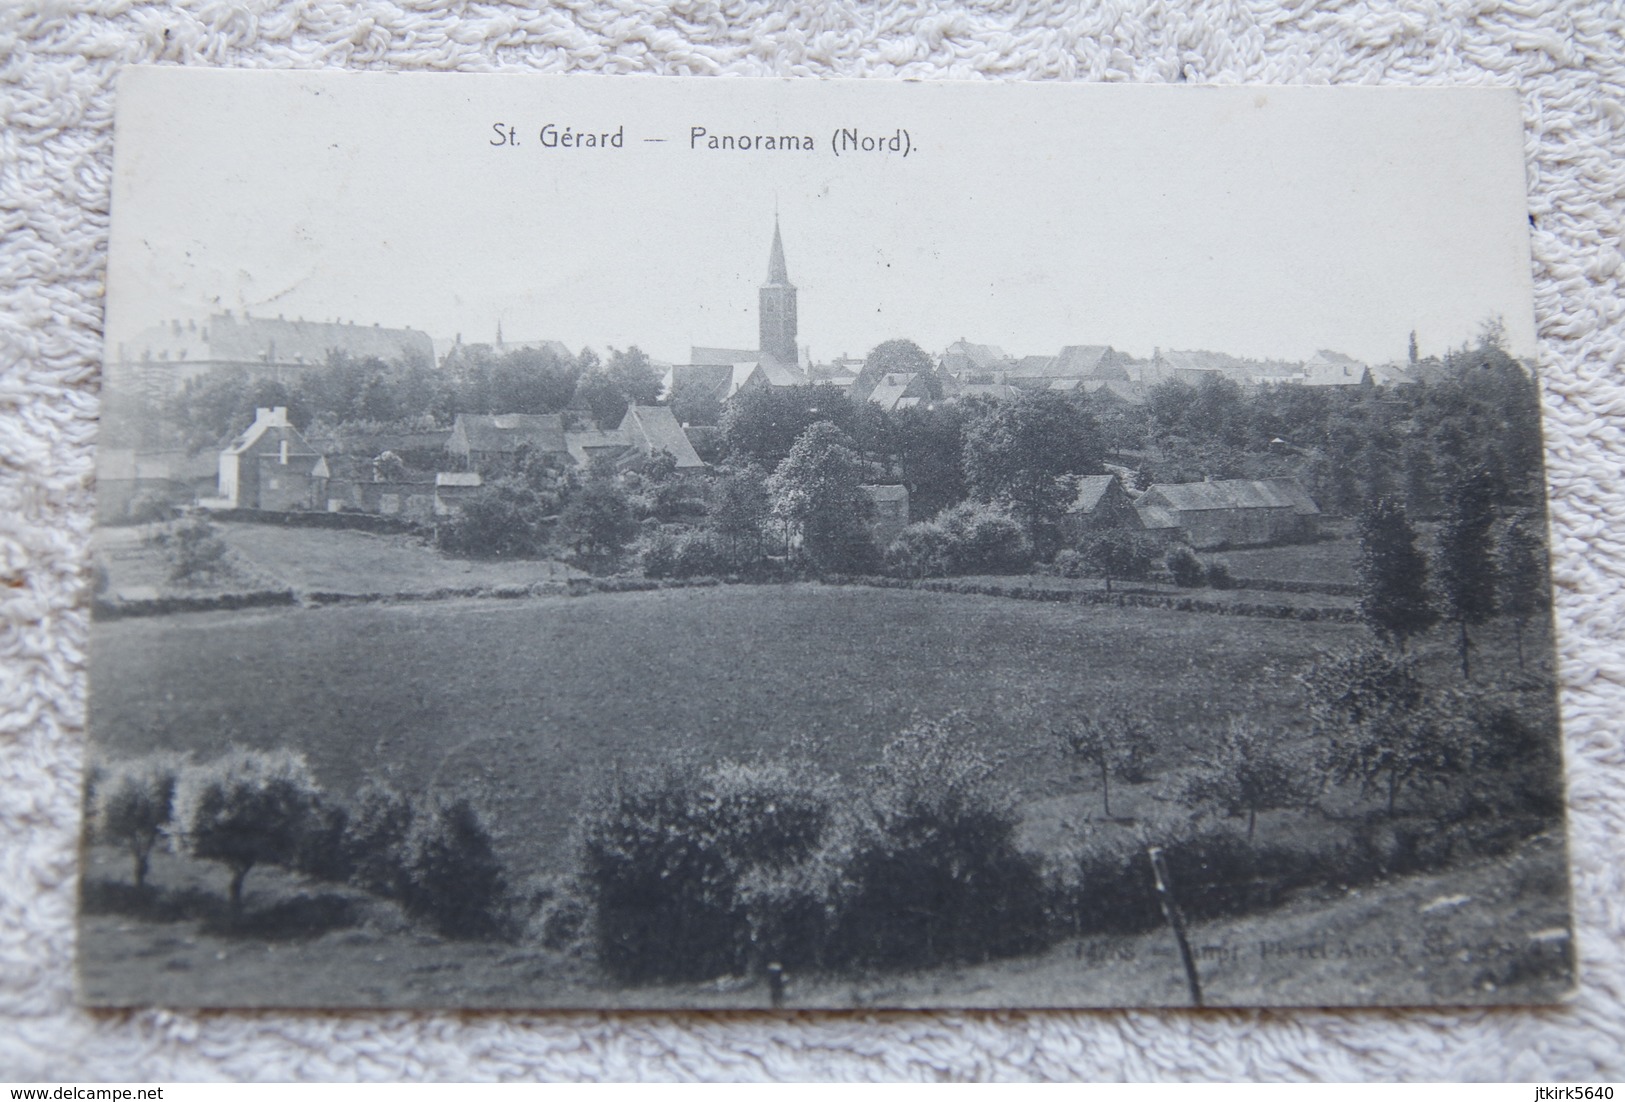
(410, 393)
(252, 808)
(1472, 574)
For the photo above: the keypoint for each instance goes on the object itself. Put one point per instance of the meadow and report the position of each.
(535, 704)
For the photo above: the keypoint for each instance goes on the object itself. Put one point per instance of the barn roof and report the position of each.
(1236, 493)
(886, 493)
(657, 428)
(1034, 367)
(506, 432)
(1092, 490)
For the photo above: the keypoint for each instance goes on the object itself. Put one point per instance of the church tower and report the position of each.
(777, 306)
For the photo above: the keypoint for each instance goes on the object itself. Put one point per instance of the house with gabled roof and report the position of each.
(900, 390)
(653, 429)
(969, 362)
(1327, 368)
(1230, 513)
(1100, 503)
(270, 466)
(490, 441)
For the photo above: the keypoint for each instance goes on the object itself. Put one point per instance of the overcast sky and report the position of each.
(1260, 222)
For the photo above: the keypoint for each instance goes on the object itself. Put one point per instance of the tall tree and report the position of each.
(1021, 452)
(1394, 599)
(1524, 593)
(818, 494)
(1467, 560)
(760, 426)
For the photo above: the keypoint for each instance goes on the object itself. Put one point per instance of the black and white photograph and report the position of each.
(663, 543)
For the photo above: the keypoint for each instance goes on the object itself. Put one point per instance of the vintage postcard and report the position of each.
(571, 542)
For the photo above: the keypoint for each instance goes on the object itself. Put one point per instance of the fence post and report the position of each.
(1176, 921)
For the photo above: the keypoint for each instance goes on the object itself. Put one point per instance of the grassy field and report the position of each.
(317, 560)
(536, 703)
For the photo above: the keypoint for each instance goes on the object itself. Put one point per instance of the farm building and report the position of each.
(644, 432)
(452, 488)
(1100, 503)
(487, 442)
(1231, 513)
(270, 466)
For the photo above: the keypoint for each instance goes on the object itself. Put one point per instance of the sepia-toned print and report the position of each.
(729, 544)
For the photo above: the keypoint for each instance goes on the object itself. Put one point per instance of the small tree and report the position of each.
(455, 880)
(1118, 745)
(247, 808)
(1382, 727)
(1524, 593)
(598, 522)
(1394, 599)
(1467, 560)
(132, 804)
(1118, 553)
(1184, 567)
(1097, 744)
(1246, 771)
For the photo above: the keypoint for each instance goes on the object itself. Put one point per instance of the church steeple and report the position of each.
(776, 274)
(776, 302)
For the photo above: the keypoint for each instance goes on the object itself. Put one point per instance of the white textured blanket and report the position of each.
(58, 61)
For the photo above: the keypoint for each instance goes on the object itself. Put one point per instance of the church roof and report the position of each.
(721, 357)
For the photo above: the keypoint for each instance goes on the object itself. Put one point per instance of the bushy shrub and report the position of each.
(701, 552)
(657, 553)
(503, 519)
(195, 552)
(934, 874)
(131, 803)
(1218, 576)
(1069, 564)
(454, 880)
(247, 808)
(1184, 567)
(970, 538)
(375, 840)
(665, 860)
(148, 506)
(920, 551)
(985, 539)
